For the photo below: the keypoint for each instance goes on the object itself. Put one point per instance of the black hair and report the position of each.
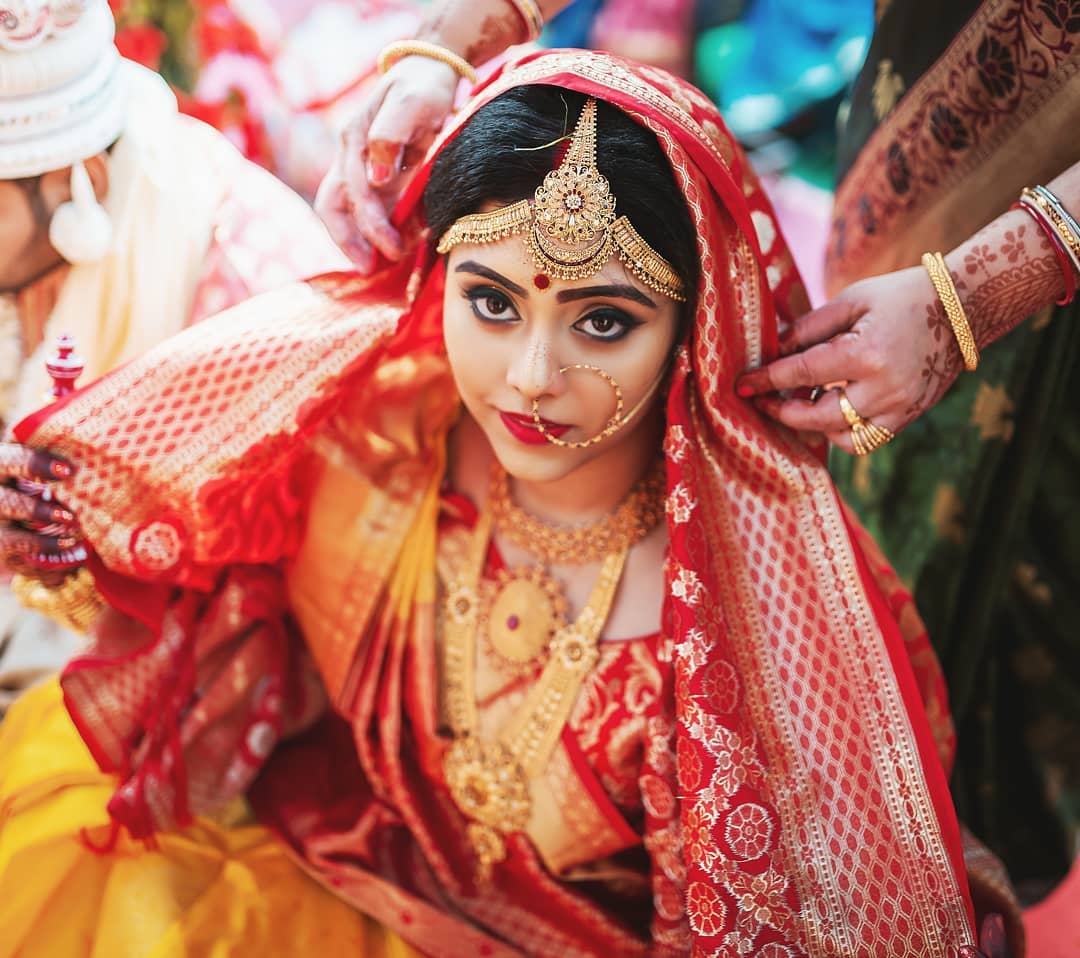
(493, 160)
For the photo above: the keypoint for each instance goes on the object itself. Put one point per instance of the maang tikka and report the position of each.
(570, 226)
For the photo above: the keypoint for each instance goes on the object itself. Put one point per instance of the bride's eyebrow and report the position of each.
(611, 290)
(470, 266)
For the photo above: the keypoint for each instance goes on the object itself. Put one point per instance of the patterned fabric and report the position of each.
(973, 502)
(205, 232)
(264, 497)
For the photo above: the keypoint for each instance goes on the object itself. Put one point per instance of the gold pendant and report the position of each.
(488, 784)
(526, 612)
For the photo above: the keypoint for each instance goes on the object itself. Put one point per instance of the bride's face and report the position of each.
(510, 334)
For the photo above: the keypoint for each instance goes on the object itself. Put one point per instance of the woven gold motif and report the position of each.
(570, 228)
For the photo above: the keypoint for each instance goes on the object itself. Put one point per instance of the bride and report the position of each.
(466, 610)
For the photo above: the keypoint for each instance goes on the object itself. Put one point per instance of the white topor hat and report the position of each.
(63, 86)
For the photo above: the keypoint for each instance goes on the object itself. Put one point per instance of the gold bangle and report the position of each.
(421, 48)
(530, 13)
(75, 603)
(946, 291)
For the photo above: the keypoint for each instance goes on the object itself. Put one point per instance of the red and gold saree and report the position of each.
(264, 499)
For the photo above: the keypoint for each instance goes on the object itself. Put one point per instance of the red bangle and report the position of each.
(1059, 251)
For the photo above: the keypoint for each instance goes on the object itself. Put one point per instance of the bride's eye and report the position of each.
(490, 305)
(606, 324)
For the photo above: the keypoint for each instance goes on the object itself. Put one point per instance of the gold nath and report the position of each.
(570, 226)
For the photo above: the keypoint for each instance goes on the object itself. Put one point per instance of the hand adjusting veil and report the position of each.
(809, 803)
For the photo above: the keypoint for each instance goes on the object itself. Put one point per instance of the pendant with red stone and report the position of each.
(522, 611)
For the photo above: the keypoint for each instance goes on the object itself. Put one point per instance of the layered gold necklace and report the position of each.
(523, 609)
(490, 780)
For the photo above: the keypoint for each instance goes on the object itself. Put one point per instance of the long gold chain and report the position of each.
(634, 518)
(490, 781)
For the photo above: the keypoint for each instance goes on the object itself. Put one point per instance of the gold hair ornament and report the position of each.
(570, 227)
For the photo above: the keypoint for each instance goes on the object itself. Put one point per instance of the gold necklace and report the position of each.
(490, 781)
(633, 519)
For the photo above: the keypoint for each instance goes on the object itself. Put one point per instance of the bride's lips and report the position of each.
(524, 429)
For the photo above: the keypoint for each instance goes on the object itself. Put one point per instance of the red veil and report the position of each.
(809, 733)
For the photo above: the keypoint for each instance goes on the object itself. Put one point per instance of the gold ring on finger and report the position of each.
(851, 417)
(866, 436)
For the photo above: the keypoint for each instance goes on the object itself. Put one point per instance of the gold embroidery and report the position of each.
(1026, 579)
(947, 514)
(992, 413)
(888, 88)
(860, 477)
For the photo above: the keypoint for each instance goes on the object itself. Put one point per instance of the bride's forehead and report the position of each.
(511, 258)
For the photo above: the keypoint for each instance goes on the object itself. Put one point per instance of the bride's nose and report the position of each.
(534, 372)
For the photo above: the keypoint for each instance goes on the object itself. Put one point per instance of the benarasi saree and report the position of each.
(960, 106)
(264, 499)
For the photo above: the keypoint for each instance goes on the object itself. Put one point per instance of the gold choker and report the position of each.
(633, 519)
(570, 226)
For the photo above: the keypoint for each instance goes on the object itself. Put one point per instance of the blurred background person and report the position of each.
(122, 223)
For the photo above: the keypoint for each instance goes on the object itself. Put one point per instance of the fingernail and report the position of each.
(61, 470)
(378, 172)
(744, 389)
(62, 515)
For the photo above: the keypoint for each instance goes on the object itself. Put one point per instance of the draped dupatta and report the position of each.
(813, 813)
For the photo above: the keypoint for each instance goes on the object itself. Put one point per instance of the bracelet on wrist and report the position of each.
(75, 603)
(950, 300)
(1056, 244)
(421, 48)
(1060, 229)
(530, 13)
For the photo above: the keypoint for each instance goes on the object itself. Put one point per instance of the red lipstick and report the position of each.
(523, 428)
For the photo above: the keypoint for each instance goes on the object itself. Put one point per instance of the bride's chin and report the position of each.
(538, 464)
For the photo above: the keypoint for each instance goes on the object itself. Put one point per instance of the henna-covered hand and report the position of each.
(390, 133)
(888, 339)
(38, 535)
(398, 121)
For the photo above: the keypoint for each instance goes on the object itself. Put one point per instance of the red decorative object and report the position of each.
(541, 281)
(64, 367)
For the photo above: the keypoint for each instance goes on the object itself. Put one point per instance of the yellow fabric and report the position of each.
(218, 889)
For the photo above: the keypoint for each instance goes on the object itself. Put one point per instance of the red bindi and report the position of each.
(540, 281)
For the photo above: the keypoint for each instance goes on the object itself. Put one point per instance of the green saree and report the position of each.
(976, 503)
